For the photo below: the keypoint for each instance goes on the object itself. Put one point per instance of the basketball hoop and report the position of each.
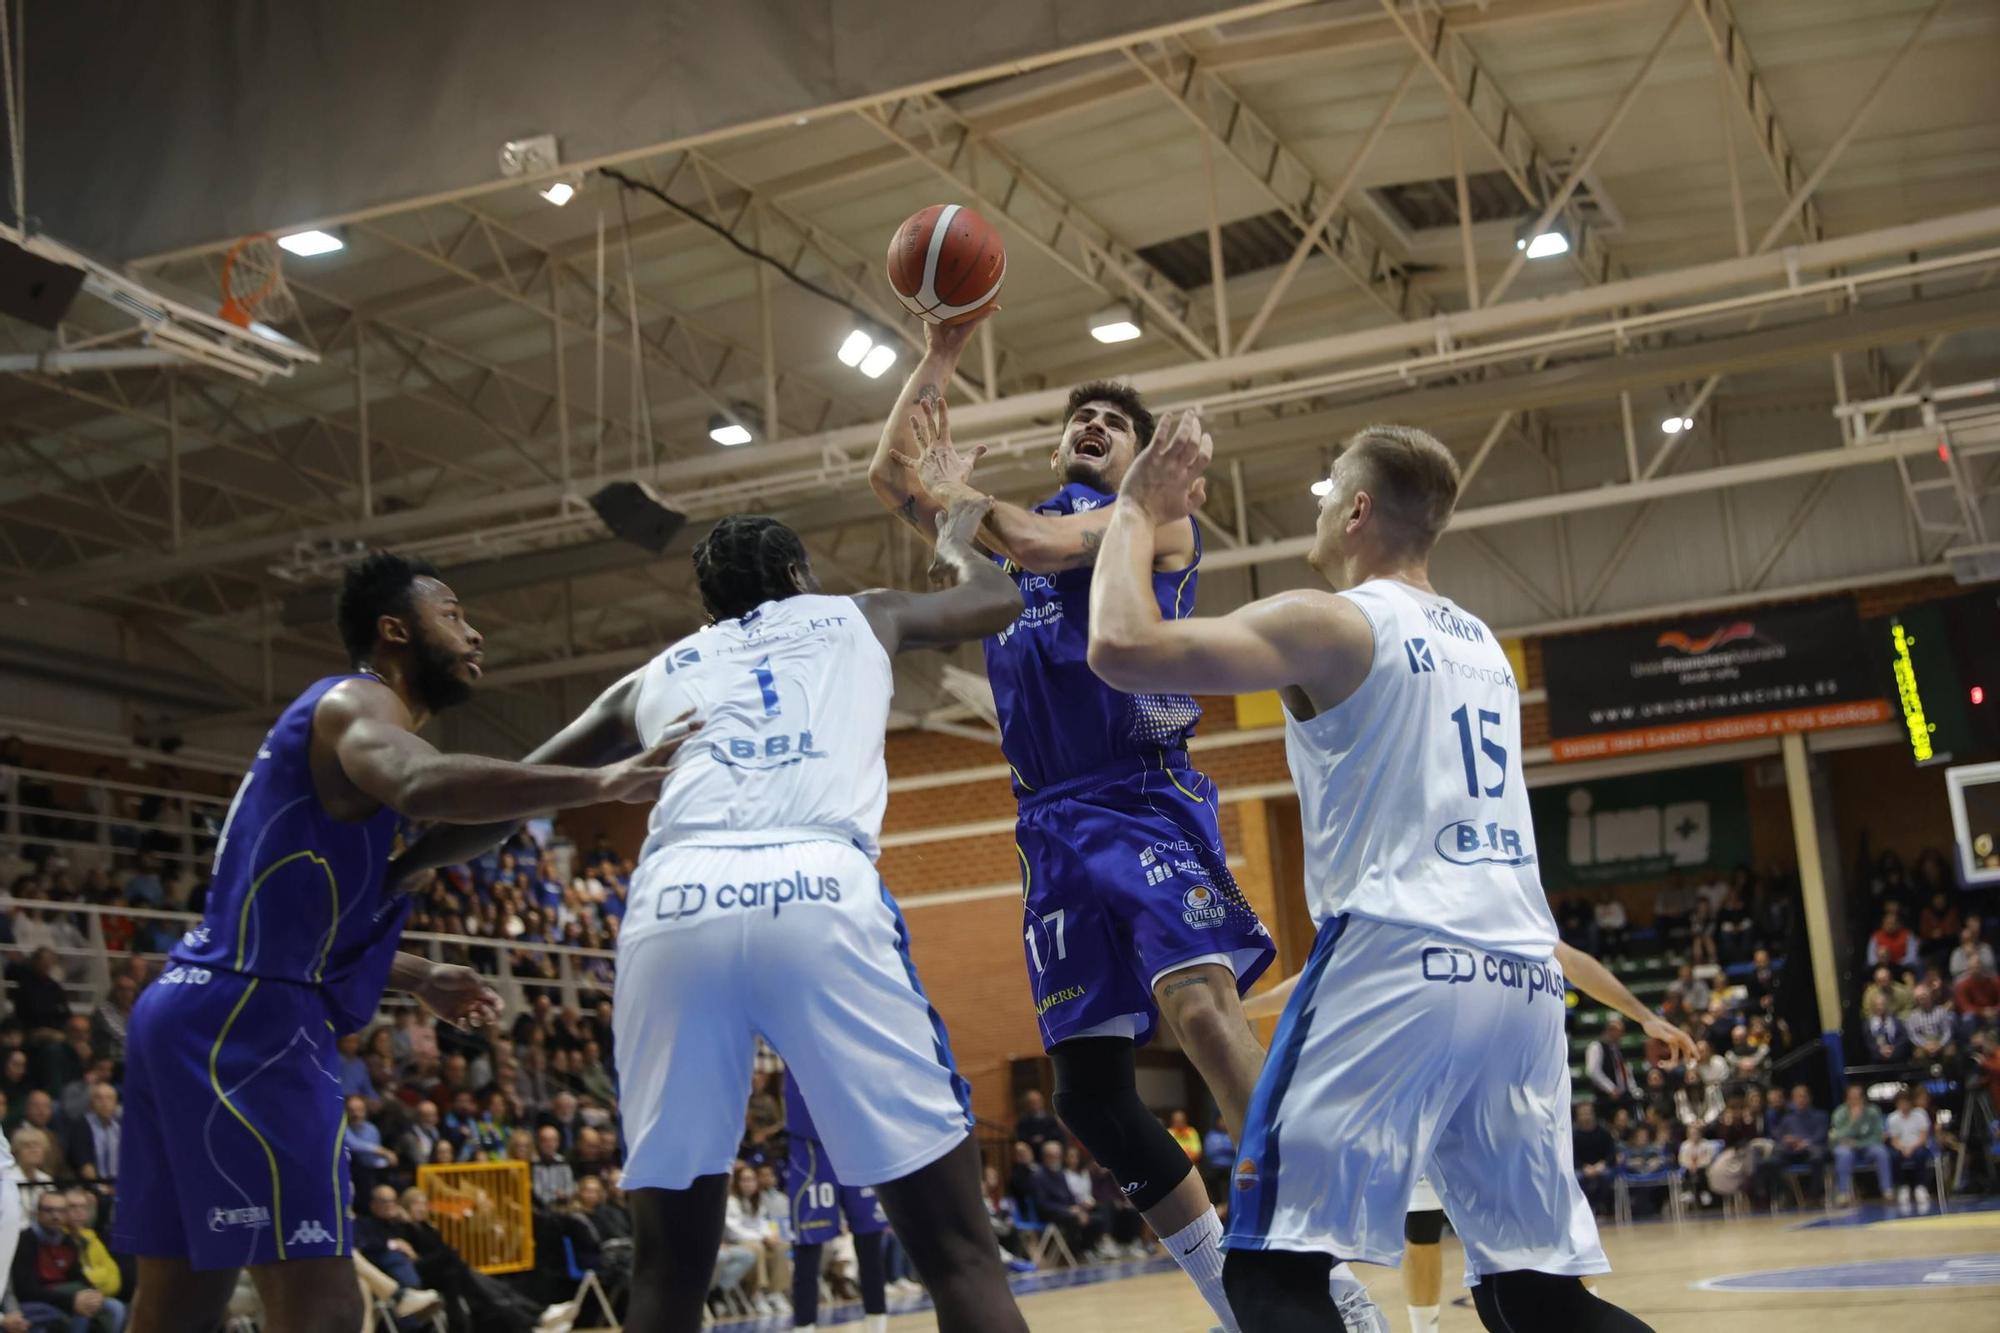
(253, 283)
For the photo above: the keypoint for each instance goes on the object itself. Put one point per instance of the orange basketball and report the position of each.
(945, 262)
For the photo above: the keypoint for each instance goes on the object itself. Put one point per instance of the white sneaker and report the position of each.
(1923, 1197)
(414, 1302)
(1903, 1198)
(782, 1302)
(762, 1305)
(1357, 1310)
(564, 1313)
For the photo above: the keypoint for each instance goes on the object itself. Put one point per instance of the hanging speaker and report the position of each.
(35, 289)
(635, 514)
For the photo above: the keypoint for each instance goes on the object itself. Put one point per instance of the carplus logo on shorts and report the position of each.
(1201, 907)
(1457, 966)
(221, 1219)
(678, 902)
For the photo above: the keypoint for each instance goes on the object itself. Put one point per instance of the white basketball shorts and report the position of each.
(1402, 1053)
(801, 943)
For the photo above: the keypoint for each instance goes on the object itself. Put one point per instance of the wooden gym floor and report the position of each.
(1657, 1274)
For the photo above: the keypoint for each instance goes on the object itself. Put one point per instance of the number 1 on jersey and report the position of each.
(1491, 749)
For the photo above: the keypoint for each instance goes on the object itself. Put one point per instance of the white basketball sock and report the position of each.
(876, 1323)
(1197, 1248)
(1423, 1319)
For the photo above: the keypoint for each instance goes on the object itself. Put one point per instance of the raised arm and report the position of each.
(976, 600)
(1315, 641)
(367, 730)
(891, 474)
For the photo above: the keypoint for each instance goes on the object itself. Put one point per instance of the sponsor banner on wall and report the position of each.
(1709, 679)
(1682, 821)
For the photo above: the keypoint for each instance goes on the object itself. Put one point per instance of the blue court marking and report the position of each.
(1024, 1284)
(1947, 1270)
(1875, 1212)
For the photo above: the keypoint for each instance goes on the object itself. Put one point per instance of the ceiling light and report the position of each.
(1675, 425)
(856, 347)
(1115, 324)
(1546, 244)
(559, 192)
(1323, 487)
(723, 430)
(880, 357)
(307, 243)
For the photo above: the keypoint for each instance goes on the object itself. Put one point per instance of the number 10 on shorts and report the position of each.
(1053, 922)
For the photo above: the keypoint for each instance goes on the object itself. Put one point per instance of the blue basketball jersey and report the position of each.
(298, 895)
(1057, 718)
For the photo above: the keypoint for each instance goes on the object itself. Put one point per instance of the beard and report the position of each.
(1089, 471)
(435, 678)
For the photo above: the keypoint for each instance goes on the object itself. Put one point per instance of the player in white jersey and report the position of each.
(1427, 1027)
(756, 910)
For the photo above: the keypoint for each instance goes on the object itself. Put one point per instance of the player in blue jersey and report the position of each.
(819, 1201)
(1425, 1036)
(234, 1151)
(1132, 916)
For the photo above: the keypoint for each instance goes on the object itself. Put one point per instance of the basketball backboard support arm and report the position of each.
(178, 326)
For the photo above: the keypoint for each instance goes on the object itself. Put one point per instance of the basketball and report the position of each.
(945, 262)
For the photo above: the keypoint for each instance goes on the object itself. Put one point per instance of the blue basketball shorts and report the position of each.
(1406, 1053)
(819, 1200)
(1123, 880)
(235, 1149)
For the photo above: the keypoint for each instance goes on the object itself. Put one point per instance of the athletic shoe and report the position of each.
(564, 1313)
(1020, 1265)
(411, 1302)
(1359, 1313)
(1903, 1198)
(1923, 1197)
(762, 1305)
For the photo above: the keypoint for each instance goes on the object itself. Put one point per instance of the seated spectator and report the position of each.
(1749, 1054)
(111, 1018)
(99, 1268)
(378, 1239)
(1034, 1126)
(31, 1153)
(1977, 994)
(75, 1099)
(1121, 1220)
(1801, 1137)
(1021, 1175)
(1692, 988)
(1701, 933)
(1639, 1157)
(1763, 979)
(1774, 1111)
(1970, 949)
(92, 1142)
(1672, 906)
(1933, 1025)
(1594, 1153)
(1613, 927)
(40, 1002)
(1698, 1153)
(610, 1214)
(366, 1154)
(1002, 1215)
(1910, 1150)
(593, 1080)
(1897, 997)
(745, 1225)
(1218, 1160)
(1056, 1204)
(418, 1143)
(1893, 942)
(64, 1062)
(1698, 1101)
(1739, 1131)
(1938, 926)
(554, 1183)
(1185, 1135)
(48, 1270)
(15, 1083)
(1888, 1040)
(1735, 927)
(592, 1156)
(1858, 1132)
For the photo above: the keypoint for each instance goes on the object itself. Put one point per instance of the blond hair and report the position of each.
(1412, 478)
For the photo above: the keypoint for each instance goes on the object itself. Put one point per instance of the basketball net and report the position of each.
(253, 283)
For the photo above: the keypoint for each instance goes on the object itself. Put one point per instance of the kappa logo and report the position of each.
(196, 938)
(1202, 908)
(310, 1232)
(1084, 504)
(221, 1219)
(1419, 654)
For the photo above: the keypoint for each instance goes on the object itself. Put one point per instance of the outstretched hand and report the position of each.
(637, 780)
(957, 526)
(1165, 480)
(939, 466)
(1679, 1043)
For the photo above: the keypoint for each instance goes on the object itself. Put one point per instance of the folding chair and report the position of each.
(588, 1286)
(1623, 1183)
(1044, 1238)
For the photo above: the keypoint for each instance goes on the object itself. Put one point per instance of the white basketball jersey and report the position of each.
(1411, 791)
(793, 700)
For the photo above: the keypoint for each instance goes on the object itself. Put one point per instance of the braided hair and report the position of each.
(745, 561)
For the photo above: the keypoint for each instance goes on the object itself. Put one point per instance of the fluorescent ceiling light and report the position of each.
(1546, 244)
(1323, 487)
(1115, 324)
(880, 357)
(559, 193)
(307, 243)
(1675, 425)
(856, 347)
(724, 431)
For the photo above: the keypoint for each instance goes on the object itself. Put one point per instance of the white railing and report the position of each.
(87, 971)
(96, 851)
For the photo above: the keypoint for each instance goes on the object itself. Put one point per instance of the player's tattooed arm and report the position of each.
(976, 598)
(893, 479)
